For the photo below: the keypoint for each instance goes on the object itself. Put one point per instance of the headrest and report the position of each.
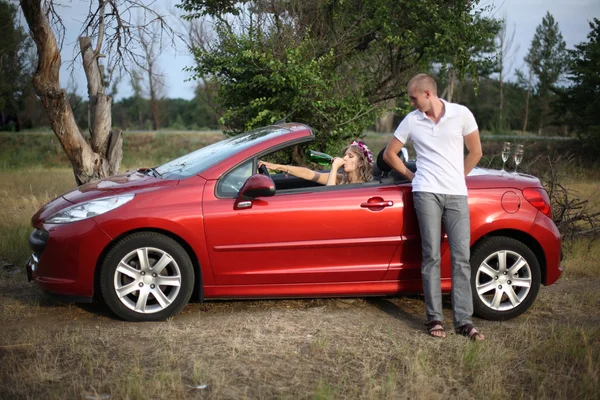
(382, 165)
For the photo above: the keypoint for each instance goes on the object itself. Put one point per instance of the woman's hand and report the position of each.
(337, 163)
(271, 166)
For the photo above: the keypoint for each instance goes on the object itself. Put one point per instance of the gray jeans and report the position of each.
(432, 209)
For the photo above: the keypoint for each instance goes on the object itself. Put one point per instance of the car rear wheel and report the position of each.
(146, 277)
(505, 278)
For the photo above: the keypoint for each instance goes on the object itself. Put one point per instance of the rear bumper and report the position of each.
(545, 231)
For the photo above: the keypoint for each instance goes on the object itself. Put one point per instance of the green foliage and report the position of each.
(14, 70)
(288, 86)
(547, 54)
(331, 64)
(546, 59)
(579, 103)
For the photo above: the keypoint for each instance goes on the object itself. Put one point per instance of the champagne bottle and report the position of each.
(318, 158)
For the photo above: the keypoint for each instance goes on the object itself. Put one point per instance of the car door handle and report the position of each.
(377, 204)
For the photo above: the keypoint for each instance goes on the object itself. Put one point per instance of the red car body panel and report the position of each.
(70, 258)
(546, 232)
(343, 240)
(322, 240)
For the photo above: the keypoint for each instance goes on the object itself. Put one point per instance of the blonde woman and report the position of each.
(354, 167)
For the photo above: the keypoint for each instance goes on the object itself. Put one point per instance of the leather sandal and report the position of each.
(470, 332)
(436, 329)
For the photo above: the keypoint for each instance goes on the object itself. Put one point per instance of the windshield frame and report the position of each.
(200, 160)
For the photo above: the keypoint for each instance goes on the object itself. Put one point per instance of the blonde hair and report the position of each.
(364, 169)
(423, 82)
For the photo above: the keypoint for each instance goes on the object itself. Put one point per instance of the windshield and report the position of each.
(201, 159)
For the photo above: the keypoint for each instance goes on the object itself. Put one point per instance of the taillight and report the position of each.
(539, 199)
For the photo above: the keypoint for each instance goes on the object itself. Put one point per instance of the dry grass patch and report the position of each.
(300, 349)
(22, 193)
(582, 258)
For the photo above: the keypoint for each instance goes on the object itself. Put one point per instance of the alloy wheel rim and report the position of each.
(147, 280)
(503, 280)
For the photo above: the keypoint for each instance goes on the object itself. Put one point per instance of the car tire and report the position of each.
(505, 278)
(146, 276)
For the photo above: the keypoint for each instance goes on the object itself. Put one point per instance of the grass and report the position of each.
(284, 349)
(266, 349)
(22, 193)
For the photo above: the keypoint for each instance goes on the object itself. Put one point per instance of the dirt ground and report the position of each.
(309, 348)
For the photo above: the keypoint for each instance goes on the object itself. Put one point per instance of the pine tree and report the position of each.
(546, 58)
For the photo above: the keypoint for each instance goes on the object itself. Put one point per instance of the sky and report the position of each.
(523, 16)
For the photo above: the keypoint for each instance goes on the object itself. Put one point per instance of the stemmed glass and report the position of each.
(518, 156)
(505, 154)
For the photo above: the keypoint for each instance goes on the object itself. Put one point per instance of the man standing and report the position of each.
(440, 131)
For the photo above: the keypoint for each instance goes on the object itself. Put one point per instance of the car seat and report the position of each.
(382, 171)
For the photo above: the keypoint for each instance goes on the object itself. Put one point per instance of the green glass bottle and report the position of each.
(318, 158)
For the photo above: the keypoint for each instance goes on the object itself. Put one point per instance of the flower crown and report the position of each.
(364, 148)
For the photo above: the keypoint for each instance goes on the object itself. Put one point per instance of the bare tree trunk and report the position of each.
(452, 79)
(526, 108)
(505, 54)
(104, 155)
(106, 142)
(545, 110)
(385, 123)
(148, 42)
(153, 102)
(501, 99)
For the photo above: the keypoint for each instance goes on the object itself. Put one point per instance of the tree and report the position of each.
(14, 68)
(479, 51)
(525, 81)
(332, 64)
(580, 101)
(504, 59)
(106, 23)
(150, 42)
(547, 59)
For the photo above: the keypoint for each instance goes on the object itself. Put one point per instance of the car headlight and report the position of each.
(89, 209)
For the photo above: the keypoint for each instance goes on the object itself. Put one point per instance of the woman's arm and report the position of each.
(332, 177)
(300, 172)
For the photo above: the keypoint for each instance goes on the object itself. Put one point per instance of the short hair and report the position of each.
(423, 82)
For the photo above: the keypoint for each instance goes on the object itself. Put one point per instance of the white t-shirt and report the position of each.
(439, 147)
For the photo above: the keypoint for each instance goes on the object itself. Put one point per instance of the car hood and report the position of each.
(131, 182)
(134, 181)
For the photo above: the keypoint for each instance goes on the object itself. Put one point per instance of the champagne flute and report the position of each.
(518, 156)
(505, 154)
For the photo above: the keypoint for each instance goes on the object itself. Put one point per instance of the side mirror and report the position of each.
(257, 185)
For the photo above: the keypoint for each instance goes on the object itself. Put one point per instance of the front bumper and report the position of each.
(64, 258)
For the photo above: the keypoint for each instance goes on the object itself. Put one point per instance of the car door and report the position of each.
(344, 233)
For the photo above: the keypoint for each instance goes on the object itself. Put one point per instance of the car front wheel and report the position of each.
(146, 277)
(505, 278)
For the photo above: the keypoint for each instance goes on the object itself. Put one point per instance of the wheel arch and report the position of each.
(524, 238)
(198, 292)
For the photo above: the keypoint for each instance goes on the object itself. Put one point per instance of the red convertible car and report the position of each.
(212, 226)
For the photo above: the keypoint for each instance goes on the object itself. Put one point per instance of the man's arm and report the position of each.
(473, 144)
(390, 156)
